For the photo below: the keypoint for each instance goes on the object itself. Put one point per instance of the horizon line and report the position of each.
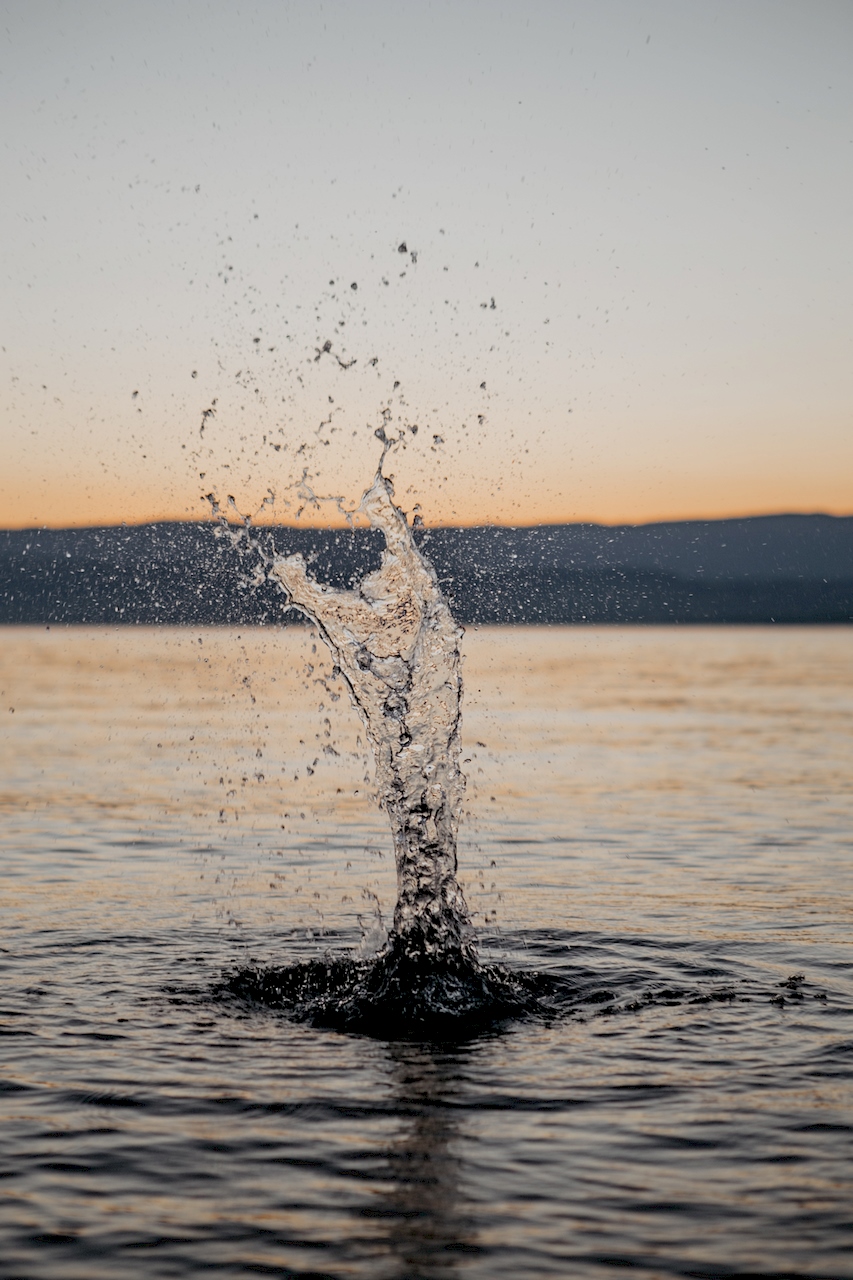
(362, 524)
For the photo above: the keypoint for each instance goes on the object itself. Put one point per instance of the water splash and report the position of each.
(396, 644)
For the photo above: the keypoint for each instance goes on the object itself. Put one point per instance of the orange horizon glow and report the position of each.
(586, 495)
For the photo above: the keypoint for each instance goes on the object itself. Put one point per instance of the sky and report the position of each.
(580, 261)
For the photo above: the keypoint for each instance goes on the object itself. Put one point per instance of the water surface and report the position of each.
(659, 818)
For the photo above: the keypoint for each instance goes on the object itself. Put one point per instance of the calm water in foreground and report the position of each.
(664, 816)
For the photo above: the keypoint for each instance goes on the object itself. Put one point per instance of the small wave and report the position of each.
(400, 995)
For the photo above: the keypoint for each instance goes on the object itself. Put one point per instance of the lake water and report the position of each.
(663, 818)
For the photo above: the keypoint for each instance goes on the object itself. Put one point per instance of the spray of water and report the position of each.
(395, 642)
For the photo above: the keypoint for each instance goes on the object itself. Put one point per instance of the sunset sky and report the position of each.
(602, 256)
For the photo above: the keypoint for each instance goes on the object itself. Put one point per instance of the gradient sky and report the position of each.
(657, 196)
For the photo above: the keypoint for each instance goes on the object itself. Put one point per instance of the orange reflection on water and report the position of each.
(682, 779)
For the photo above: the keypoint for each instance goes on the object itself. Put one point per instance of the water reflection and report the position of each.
(428, 1229)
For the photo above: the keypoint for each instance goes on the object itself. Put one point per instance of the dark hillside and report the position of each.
(762, 569)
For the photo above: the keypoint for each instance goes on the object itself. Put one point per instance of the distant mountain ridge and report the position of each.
(785, 568)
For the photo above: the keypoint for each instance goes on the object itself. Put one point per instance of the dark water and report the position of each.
(659, 827)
